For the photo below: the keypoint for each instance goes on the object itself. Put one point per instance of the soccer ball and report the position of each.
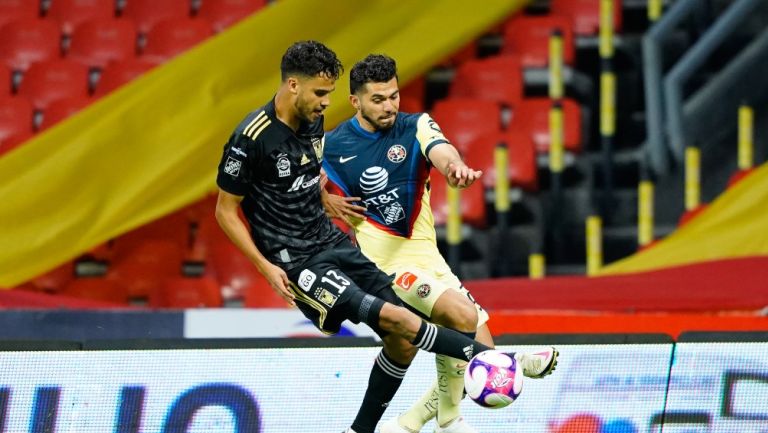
(492, 379)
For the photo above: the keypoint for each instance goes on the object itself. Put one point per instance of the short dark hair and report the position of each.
(375, 68)
(310, 58)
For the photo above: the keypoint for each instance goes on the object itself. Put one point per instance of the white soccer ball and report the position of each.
(493, 379)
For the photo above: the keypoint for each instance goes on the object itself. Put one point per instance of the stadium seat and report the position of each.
(54, 280)
(60, 109)
(528, 38)
(143, 267)
(585, 15)
(6, 80)
(412, 96)
(187, 292)
(498, 79)
(96, 288)
(46, 82)
(522, 170)
(23, 42)
(95, 43)
(223, 13)
(13, 10)
(116, 74)
(147, 13)
(463, 119)
(172, 37)
(464, 54)
(70, 13)
(532, 115)
(239, 278)
(16, 115)
(472, 202)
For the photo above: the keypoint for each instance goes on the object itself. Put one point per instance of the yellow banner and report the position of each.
(153, 146)
(734, 225)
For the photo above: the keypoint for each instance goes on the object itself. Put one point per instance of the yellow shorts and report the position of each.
(420, 289)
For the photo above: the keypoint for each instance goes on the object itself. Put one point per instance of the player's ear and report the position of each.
(355, 101)
(293, 85)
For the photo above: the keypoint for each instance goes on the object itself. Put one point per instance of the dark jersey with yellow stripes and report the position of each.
(277, 171)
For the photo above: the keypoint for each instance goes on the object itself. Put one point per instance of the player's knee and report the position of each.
(399, 321)
(456, 312)
(399, 349)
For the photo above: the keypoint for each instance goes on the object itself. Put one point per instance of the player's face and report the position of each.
(313, 96)
(378, 104)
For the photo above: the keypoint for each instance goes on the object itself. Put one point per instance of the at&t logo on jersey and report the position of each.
(373, 180)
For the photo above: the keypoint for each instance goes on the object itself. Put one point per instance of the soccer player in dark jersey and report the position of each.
(270, 168)
(382, 159)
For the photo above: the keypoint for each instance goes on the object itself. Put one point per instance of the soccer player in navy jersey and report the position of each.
(270, 168)
(380, 161)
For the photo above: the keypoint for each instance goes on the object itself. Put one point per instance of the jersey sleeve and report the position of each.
(234, 168)
(428, 133)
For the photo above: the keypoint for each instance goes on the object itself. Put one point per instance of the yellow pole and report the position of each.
(654, 9)
(594, 244)
(607, 103)
(746, 133)
(556, 65)
(606, 29)
(501, 187)
(556, 146)
(536, 266)
(453, 222)
(692, 178)
(645, 213)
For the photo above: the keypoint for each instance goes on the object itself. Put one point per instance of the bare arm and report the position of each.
(447, 160)
(227, 216)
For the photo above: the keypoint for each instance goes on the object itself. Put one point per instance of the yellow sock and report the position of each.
(450, 390)
(421, 411)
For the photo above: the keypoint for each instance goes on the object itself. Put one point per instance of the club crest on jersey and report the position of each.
(423, 290)
(232, 166)
(396, 153)
(392, 212)
(327, 298)
(283, 167)
(317, 144)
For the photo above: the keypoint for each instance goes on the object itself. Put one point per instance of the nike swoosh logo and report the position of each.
(349, 158)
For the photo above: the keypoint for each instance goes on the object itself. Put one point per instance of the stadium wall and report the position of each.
(604, 383)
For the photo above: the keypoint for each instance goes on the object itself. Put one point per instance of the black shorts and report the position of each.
(324, 284)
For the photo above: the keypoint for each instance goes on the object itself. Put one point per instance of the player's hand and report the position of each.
(343, 208)
(461, 176)
(278, 279)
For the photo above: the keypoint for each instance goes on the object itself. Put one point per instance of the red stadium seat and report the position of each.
(187, 292)
(412, 96)
(532, 115)
(46, 82)
(172, 37)
(522, 170)
(96, 288)
(528, 38)
(585, 15)
(24, 42)
(144, 267)
(96, 43)
(55, 279)
(239, 278)
(464, 54)
(6, 81)
(70, 13)
(13, 10)
(61, 109)
(116, 74)
(147, 13)
(223, 13)
(16, 115)
(498, 79)
(463, 119)
(472, 202)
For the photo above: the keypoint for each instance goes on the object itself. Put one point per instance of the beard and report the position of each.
(375, 123)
